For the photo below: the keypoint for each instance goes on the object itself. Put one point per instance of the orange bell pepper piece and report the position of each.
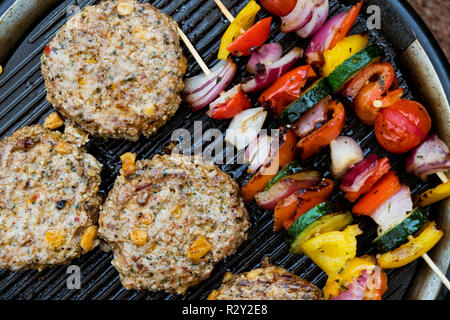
(322, 137)
(279, 158)
(378, 194)
(303, 200)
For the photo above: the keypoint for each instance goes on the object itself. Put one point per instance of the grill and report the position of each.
(22, 102)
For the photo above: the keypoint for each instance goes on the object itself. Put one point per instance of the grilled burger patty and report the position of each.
(48, 196)
(116, 69)
(171, 221)
(267, 283)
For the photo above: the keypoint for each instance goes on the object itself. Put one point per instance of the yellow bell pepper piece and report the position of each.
(244, 20)
(331, 250)
(439, 193)
(413, 249)
(344, 49)
(199, 249)
(350, 273)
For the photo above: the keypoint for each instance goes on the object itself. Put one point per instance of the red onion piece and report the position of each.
(307, 123)
(430, 157)
(320, 15)
(322, 39)
(208, 94)
(272, 72)
(257, 152)
(345, 153)
(245, 126)
(264, 55)
(393, 210)
(355, 289)
(299, 17)
(200, 81)
(355, 178)
(286, 187)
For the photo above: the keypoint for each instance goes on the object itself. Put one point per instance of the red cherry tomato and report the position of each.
(252, 38)
(402, 126)
(279, 8)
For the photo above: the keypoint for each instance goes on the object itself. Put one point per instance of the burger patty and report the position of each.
(267, 283)
(117, 73)
(171, 221)
(48, 196)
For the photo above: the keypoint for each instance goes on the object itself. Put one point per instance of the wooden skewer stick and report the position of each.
(194, 52)
(224, 10)
(434, 267)
(442, 176)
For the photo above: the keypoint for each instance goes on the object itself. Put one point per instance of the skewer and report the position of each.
(194, 52)
(434, 267)
(224, 10)
(441, 175)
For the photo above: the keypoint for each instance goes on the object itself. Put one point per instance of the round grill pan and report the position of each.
(28, 25)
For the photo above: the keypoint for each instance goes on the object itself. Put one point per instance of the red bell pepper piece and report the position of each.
(232, 106)
(383, 166)
(322, 137)
(367, 93)
(277, 158)
(286, 89)
(346, 25)
(253, 37)
(303, 200)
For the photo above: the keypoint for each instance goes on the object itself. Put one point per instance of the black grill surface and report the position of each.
(22, 102)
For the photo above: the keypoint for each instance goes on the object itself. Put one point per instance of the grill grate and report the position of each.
(22, 102)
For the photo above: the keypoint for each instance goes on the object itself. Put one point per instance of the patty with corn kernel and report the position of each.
(267, 283)
(48, 197)
(116, 69)
(170, 220)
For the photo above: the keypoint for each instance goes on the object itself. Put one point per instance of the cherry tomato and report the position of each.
(253, 37)
(402, 126)
(415, 113)
(279, 8)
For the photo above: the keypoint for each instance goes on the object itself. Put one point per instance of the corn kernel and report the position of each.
(88, 237)
(147, 220)
(227, 277)
(128, 163)
(63, 147)
(254, 274)
(199, 249)
(138, 236)
(149, 109)
(54, 238)
(177, 212)
(53, 121)
(125, 8)
(213, 295)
